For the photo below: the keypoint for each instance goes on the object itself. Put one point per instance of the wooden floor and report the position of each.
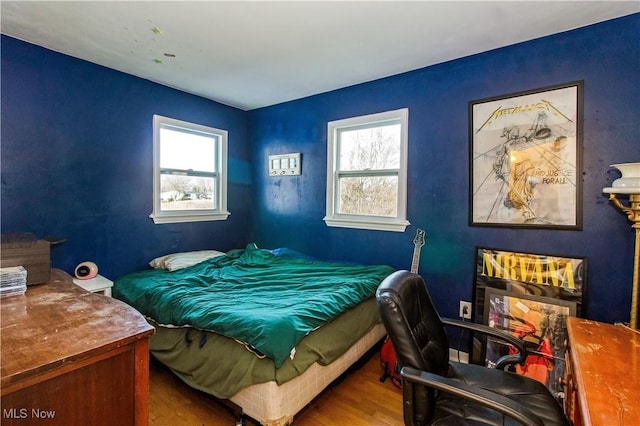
(357, 399)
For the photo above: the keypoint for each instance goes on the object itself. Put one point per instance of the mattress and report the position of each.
(269, 302)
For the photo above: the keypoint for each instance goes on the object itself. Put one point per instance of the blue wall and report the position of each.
(77, 142)
(77, 146)
(605, 56)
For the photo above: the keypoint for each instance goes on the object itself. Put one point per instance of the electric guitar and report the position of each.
(418, 242)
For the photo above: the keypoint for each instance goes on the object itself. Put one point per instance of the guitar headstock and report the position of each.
(419, 239)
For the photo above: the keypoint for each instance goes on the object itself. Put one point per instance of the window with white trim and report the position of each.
(189, 172)
(367, 172)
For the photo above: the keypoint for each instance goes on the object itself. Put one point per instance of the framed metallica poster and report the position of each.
(526, 159)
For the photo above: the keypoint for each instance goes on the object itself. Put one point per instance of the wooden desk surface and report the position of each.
(606, 359)
(58, 323)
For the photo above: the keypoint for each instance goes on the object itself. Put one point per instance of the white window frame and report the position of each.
(332, 217)
(177, 216)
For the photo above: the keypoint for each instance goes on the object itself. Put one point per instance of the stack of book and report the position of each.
(13, 280)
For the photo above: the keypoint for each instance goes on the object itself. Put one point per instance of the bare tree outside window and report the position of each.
(188, 166)
(173, 187)
(189, 172)
(186, 193)
(368, 171)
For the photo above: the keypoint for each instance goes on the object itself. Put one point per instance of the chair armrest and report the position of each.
(480, 396)
(504, 360)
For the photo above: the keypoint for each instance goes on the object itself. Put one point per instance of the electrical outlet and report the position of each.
(465, 309)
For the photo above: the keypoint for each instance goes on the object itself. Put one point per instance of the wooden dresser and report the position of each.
(71, 357)
(603, 374)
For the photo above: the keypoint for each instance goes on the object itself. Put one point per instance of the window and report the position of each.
(189, 172)
(367, 172)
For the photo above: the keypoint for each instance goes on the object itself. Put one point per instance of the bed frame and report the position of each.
(271, 404)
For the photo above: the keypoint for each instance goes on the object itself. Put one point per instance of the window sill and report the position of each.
(371, 224)
(188, 217)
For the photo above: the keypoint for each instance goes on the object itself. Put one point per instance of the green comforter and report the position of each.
(269, 302)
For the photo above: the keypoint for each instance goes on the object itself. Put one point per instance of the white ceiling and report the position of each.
(251, 54)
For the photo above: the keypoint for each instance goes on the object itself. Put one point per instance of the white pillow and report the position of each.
(175, 261)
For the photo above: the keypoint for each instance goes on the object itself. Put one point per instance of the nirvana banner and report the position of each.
(529, 296)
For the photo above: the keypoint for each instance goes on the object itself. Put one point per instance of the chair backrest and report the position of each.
(412, 323)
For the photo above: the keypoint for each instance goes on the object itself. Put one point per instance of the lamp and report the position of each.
(629, 184)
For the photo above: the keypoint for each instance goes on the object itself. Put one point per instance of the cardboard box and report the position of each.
(27, 251)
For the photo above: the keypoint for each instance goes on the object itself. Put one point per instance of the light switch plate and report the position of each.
(284, 164)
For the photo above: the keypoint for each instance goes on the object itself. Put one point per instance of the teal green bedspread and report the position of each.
(269, 302)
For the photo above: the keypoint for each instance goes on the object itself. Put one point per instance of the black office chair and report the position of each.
(439, 392)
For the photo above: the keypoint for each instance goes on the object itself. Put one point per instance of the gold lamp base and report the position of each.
(633, 213)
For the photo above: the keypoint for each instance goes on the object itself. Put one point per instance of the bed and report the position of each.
(264, 330)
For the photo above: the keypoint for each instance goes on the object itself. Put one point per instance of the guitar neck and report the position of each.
(416, 260)
(418, 242)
